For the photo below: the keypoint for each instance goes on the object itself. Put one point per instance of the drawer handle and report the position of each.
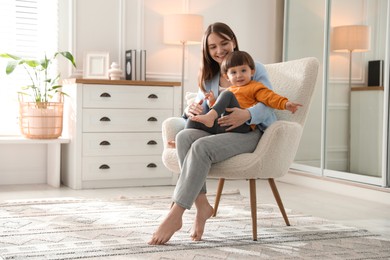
(152, 119)
(152, 165)
(105, 119)
(105, 94)
(104, 167)
(105, 143)
(153, 96)
(152, 142)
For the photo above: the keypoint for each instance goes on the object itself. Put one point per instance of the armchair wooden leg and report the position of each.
(252, 190)
(218, 196)
(271, 182)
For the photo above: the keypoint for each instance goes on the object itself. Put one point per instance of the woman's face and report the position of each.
(219, 47)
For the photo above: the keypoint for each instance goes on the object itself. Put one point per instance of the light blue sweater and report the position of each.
(261, 115)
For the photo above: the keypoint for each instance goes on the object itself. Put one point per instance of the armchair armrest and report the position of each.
(279, 143)
(170, 127)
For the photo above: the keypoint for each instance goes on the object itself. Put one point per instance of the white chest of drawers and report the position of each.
(115, 132)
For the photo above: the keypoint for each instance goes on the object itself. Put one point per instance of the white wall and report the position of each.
(116, 26)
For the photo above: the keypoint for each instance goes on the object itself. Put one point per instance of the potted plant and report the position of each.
(40, 114)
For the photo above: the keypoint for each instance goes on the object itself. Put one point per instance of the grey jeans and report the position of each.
(197, 150)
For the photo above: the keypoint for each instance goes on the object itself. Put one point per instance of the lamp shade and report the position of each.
(354, 38)
(183, 28)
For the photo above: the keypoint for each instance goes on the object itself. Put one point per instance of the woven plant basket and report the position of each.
(41, 120)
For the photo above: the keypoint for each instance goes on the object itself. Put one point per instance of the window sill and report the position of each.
(22, 140)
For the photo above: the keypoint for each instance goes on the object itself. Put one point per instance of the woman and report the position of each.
(198, 150)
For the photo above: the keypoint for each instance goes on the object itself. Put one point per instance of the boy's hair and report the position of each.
(237, 58)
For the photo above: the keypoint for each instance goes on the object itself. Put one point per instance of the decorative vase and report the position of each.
(115, 72)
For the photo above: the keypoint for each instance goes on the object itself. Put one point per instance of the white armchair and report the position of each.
(276, 149)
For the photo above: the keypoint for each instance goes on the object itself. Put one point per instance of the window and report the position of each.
(28, 28)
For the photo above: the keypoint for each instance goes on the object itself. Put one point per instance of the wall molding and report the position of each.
(78, 72)
(122, 34)
(359, 77)
(141, 24)
(163, 76)
(338, 106)
(337, 148)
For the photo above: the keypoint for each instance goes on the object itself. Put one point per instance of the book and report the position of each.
(131, 64)
(142, 67)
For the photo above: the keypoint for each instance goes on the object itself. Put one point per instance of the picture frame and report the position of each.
(96, 65)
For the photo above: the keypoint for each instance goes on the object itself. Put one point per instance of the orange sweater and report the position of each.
(255, 92)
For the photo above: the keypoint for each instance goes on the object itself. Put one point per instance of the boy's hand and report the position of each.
(293, 107)
(210, 97)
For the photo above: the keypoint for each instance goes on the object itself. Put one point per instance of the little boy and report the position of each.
(238, 67)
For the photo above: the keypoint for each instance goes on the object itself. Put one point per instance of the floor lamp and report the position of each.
(351, 38)
(183, 29)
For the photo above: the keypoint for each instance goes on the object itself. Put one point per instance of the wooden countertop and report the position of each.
(122, 82)
(366, 88)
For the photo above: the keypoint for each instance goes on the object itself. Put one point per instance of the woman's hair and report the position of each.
(209, 67)
(237, 58)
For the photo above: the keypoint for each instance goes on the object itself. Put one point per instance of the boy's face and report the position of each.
(239, 75)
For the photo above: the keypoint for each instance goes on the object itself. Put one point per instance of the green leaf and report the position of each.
(42, 86)
(9, 56)
(28, 87)
(68, 56)
(45, 62)
(22, 93)
(32, 63)
(11, 66)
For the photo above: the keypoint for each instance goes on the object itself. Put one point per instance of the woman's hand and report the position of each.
(236, 118)
(194, 109)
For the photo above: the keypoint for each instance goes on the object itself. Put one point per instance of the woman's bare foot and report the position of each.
(172, 223)
(171, 144)
(204, 212)
(207, 119)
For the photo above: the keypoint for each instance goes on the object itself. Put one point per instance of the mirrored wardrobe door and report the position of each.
(346, 133)
(355, 91)
(304, 36)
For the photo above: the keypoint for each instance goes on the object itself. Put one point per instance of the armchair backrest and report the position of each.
(295, 80)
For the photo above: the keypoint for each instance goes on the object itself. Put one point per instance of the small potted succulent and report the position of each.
(40, 114)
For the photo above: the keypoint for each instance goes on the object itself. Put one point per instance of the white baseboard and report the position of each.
(342, 187)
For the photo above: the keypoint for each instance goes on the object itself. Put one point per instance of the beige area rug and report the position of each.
(74, 228)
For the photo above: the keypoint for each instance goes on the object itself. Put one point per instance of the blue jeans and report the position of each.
(197, 150)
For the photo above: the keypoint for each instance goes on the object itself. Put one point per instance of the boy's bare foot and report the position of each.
(204, 212)
(207, 119)
(171, 224)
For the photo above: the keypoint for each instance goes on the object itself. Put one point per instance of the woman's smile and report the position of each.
(219, 47)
